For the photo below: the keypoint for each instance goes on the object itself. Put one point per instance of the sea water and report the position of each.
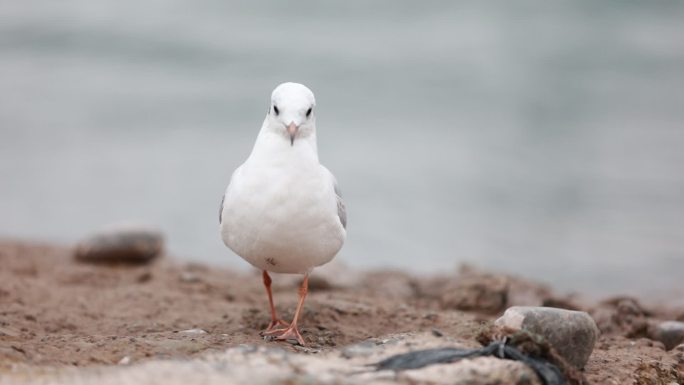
(544, 139)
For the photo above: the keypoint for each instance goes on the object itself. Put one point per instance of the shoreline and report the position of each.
(672, 296)
(61, 314)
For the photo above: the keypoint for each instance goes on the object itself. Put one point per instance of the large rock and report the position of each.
(133, 244)
(571, 333)
(670, 333)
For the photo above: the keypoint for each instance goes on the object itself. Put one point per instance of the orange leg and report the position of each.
(274, 318)
(291, 332)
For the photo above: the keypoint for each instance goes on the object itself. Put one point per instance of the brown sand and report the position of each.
(57, 312)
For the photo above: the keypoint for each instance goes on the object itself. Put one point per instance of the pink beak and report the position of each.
(292, 131)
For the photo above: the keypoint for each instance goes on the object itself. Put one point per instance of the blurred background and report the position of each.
(544, 139)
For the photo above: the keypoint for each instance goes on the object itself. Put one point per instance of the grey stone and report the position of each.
(670, 333)
(134, 244)
(572, 333)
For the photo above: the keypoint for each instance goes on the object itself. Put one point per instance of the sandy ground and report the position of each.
(56, 313)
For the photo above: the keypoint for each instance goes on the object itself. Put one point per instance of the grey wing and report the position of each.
(341, 208)
(223, 199)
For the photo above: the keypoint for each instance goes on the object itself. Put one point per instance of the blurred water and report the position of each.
(540, 138)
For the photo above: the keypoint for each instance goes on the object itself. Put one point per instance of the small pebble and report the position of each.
(193, 331)
(125, 361)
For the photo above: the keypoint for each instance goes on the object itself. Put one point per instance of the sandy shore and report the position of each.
(57, 313)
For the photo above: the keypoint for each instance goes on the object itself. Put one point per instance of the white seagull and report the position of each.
(282, 211)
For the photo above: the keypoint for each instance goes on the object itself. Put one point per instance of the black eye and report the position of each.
(308, 112)
(275, 109)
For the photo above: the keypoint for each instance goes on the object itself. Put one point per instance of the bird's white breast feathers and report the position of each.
(280, 211)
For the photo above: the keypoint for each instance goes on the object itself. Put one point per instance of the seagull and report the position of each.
(282, 211)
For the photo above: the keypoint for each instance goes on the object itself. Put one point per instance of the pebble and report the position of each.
(133, 244)
(193, 331)
(572, 333)
(125, 361)
(670, 333)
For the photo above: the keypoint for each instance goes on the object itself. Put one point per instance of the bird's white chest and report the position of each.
(282, 217)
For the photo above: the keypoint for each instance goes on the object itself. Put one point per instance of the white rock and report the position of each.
(193, 331)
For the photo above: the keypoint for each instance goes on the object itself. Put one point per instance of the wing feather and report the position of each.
(341, 208)
(223, 199)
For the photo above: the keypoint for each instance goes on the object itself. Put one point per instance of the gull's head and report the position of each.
(292, 111)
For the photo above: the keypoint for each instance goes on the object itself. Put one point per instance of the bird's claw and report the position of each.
(291, 333)
(273, 326)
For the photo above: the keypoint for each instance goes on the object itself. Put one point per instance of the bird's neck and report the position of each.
(272, 147)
